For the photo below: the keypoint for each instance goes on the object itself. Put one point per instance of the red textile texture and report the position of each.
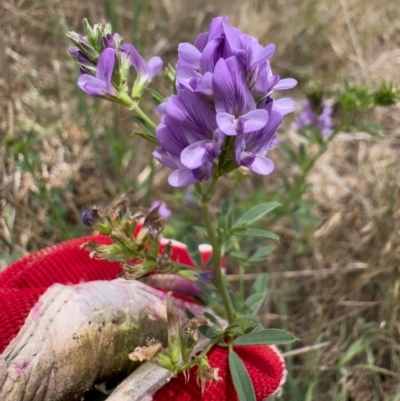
(265, 367)
(24, 281)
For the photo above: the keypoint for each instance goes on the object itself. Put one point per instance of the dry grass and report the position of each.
(339, 284)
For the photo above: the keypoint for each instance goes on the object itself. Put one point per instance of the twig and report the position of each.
(301, 273)
(304, 350)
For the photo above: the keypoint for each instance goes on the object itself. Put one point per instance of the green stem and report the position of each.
(133, 105)
(143, 115)
(216, 257)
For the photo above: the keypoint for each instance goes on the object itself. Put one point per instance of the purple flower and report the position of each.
(101, 85)
(250, 149)
(86, 66)
(223, 41)
(112, 41)
(146, 71)
(308, 118)
(87, 219)
(163, 211)
(173, 139)
(234, 103)
(223, 112)
(104, 64)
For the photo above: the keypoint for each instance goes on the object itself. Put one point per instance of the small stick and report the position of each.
(304, 350)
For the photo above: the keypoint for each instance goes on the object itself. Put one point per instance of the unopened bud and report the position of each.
(174, 331)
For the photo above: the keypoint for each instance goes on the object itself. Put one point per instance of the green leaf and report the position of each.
(209, 332)
(358, 346)
(241, 380)
(209, 264)
(239, 256)
(147, 137)
(266, 336)
(212, 319)
(253, 303)
(260, 284)
(156, 96)
(143, 124)
(200, 230)
(235, 230)
(256, 213)
(193, 248)
(255, 232)
(259, 255)
(249, 316)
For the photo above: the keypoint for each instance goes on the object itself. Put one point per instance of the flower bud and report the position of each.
(174, 331)
(87, 219)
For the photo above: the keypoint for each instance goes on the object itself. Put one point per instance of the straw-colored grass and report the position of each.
(336, 286)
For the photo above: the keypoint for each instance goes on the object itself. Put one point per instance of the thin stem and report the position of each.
(216, 257)
(142, 114)
(133, 105)
(237, 245)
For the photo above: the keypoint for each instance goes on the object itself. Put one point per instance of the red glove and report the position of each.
(28, 296)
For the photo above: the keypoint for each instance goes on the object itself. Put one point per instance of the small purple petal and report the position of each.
(231, 92)
(204, 85)
(216, 26)
(188, 56)
(206, 277)
(255, 120)
(274, 143)
(201, 41)
(163, 211)
(164, 158)
(195, 155)
(155, 64)
(273, 81)
(283, 84)
(162, 108)
(238, 40)
(185, 75)
(247, 158)
(285, 105)
(194, 112)
(211, 54)
(263, 55)
(108, 41)
(73, 51)
(262, 165)
(173, 138)
(87, 219)
(105, 66)
(203, 172)
(226, 123)
(92, 86)
(240, 145)
(182, 178)
(137, 61)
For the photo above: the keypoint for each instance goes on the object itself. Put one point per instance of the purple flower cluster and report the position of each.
(223, 115)
(308, 118)
(104, 62)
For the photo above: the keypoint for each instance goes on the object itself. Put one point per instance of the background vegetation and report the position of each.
(334, 277)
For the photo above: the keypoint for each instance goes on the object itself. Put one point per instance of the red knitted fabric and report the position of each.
(23, 282)
(264, 365)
